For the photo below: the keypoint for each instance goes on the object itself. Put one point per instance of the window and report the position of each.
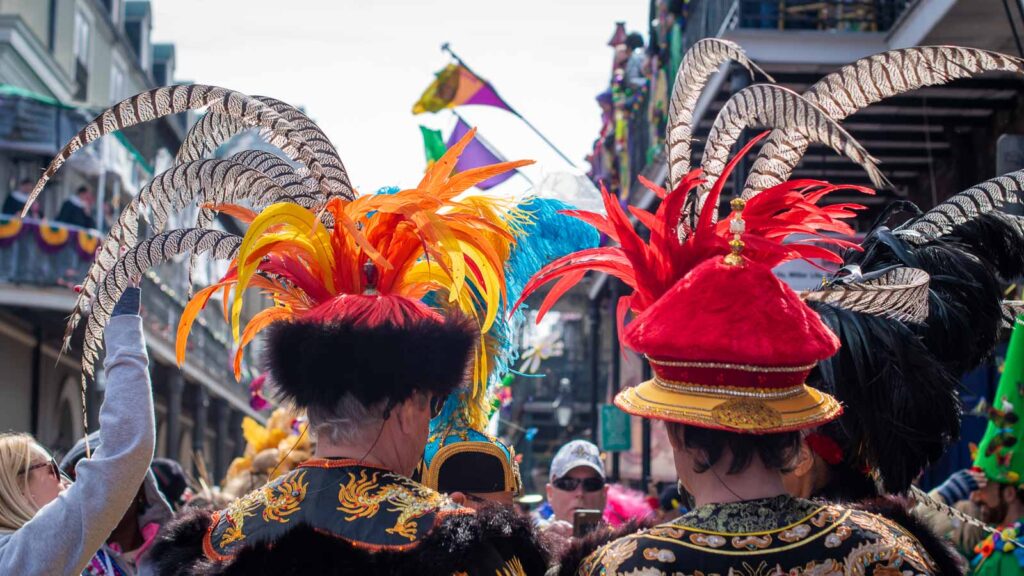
(144, 49)
(82, 38)
(160, 74)
(116, 11)
(82, 50)
(116, 83)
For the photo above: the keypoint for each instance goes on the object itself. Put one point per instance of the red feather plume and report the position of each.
(651, 268)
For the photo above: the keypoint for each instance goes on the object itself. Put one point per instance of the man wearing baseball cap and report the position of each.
(576, 482)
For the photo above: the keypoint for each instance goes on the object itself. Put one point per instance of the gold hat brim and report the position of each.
(805, 408)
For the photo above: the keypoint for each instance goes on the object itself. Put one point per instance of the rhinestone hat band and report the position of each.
(728, 391)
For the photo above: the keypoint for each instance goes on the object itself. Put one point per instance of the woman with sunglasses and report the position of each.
(49, 525)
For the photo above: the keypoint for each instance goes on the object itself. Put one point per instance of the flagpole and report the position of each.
(447, 48)
(483, 142)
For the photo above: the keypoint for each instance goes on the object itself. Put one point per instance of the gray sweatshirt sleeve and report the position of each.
(65, 533)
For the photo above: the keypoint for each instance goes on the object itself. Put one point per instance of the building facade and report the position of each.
(62, 62)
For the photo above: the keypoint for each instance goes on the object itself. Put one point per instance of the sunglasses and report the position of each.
(51, 463)
(592, 484)
(436, 405)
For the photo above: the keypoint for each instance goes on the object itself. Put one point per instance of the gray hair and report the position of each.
(348, 422)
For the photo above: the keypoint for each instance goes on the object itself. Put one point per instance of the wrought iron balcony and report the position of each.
(41, 261)
(711, 18)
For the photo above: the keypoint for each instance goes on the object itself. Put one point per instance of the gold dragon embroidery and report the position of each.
(284, 499)
(513, 567)
(235, 516)
(362, 497)
(278, 501)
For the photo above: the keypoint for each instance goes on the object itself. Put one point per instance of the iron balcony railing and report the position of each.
(710, 18)
(47, 255)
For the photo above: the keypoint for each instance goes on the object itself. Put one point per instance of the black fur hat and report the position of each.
(316, 364)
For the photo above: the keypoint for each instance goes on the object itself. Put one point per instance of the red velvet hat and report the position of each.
(730, 344)
(731, 347)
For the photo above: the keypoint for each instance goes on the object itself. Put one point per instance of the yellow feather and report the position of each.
(287, 221)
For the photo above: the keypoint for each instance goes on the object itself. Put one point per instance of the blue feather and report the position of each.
(548, 236)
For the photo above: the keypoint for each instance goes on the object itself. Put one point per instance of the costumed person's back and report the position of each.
(735, 400)
(348, 339)
(731, 348)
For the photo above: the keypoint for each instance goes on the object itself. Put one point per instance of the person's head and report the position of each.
(29, 479)
(577, 480)
(369, 387)
(26, 185)
(998, 502)
(396, 433)
(699, 450)
(85, 194)
(170, 480)
(634, 40)
(474, 468)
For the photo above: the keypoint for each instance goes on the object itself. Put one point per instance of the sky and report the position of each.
(357, 67)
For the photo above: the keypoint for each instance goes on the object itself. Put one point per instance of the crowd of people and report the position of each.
(77, 210)
(798, 423)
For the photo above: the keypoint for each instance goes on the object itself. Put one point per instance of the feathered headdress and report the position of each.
(916, 306)
(651, 267)
(343, 274)
(357, 288)
(688, 269)
(460, 455)
(901, 399)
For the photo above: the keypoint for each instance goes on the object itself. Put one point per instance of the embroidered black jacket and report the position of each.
(339, 517)
(773, 536)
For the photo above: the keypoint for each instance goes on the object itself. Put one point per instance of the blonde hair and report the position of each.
(16, 507)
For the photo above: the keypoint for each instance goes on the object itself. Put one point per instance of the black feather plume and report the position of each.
(964, 294)
(997, 238)
(902, 409)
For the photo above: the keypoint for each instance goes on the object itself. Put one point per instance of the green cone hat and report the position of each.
(1001, 453)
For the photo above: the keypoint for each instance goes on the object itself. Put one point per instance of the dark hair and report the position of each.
(634, 40)
(82, 189)
(776, 451)
(26, 181)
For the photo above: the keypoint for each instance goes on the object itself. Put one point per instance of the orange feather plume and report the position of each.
(419, 242)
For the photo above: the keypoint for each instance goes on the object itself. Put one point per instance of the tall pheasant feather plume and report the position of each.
(214, 129)
(169, 100)
(991, 195)
(172, 191)
(699, 63)
(865, 82)
(770, 106)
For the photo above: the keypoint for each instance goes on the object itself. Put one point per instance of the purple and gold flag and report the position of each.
(455, 86)
(477, 154)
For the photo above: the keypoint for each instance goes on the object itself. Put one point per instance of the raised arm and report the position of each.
(65, 533)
